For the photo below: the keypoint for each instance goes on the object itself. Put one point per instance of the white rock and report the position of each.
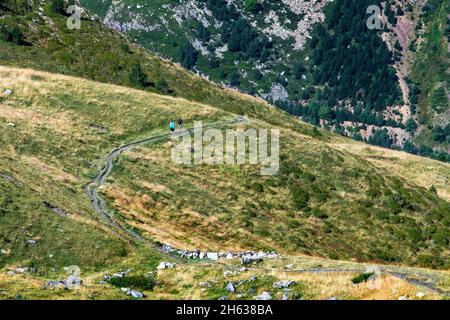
(230, 287)
(73, 282)
(227, 273)
(136, 294)
(264, 296)
(212, 255)
(165, 265)
(21, 270)
(282, 284)
(420, 294)
(124, 289)
(403, 298)
(7, 92)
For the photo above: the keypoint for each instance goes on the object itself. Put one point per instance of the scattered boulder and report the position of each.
(124, 290)
(227, 273)
(403, 297)
(21, 270)
(73, 269)
(97, 127)
(136, 294)
(205, 284)
(7, 92)
(420, 294)
(230, 287)
(165, 265)
(56, 210)
(283, 284)
(212, 255)
(73, 282)
(253, 278)
(250, 259)
(55, 285)
(264, 296)
(31, 242)
(120, 274)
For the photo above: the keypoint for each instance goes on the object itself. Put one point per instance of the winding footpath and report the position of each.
(99, 205)
(91, 189)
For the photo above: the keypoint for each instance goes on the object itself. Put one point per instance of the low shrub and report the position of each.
(137, 282)
(363, 277)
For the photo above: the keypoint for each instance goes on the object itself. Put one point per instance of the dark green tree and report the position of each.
(137, 76)
(188, 56)
(235, 80)
(58, 6)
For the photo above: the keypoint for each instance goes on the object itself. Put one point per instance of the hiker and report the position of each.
(172, 126)
(180, 123)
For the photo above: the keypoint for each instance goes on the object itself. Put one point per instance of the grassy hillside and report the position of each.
(430, 71)
(323, 201)
(101, 54)
(333, 198)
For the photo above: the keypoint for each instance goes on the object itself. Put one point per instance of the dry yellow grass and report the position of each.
(422, 171)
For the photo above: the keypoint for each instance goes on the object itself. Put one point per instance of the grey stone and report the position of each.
(230, 287)
(21, 270)
(7, 92)
(264, 296)
(31, 242)
(165, 265)
(227, 273)
(212, 255)
(73, 282)
(249, 259)
(55, 285)
(282, 284)
(136, 294)
(205, 284)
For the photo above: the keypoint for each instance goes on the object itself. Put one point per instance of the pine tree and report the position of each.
(137, 77)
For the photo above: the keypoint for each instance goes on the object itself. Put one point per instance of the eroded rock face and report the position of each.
(312, 12)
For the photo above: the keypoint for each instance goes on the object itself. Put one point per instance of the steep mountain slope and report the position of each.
(55, 130)
(315, 59)
(333, 197)
(322, 202)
